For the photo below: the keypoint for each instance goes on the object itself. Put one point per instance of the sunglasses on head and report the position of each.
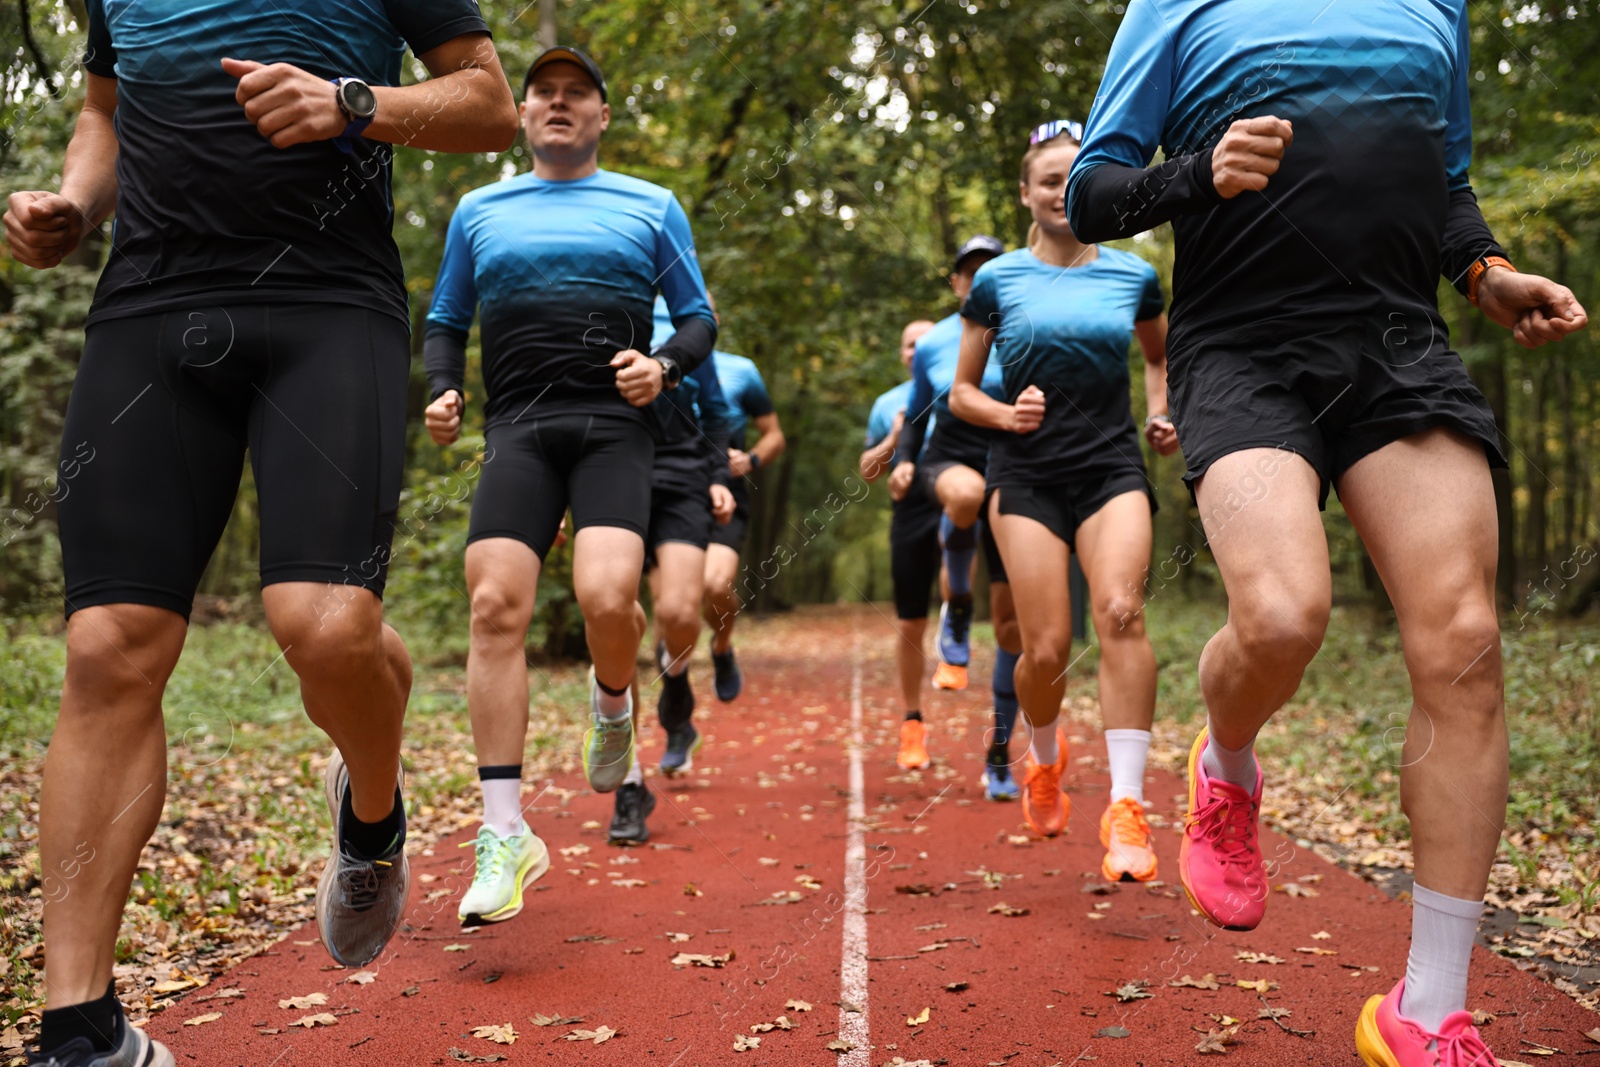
(1055, 128)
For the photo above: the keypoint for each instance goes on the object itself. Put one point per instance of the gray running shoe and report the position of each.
(359, 902)
(134, 1049)
(608, 746)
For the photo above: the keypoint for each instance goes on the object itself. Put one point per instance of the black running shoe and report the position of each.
(133, 1049)
(729, 682)
(682, 744)
(633, 806)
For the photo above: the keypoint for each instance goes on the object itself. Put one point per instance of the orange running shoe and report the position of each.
(1126, 836)
(1044, 805)
(949, 676)
(913, 745)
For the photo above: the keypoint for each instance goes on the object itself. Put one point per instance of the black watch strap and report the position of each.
(671, 373)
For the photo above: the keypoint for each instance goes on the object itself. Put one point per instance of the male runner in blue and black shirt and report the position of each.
(254, 301)
(1316, 180)
(562, 267)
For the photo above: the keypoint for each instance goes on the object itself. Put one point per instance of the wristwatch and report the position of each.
(755, 461)
(1479, 267)
(359, 105)
(671, 373)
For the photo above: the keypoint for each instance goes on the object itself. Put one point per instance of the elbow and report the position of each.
(502, 133)
(779, 443)
(959, 407)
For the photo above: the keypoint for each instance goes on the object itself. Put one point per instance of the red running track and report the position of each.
(819, 907)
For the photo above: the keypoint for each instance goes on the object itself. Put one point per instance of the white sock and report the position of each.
(502, 805)
(635, 774)
(1442, 931)
(675, 667)
(613, 707)
(1126, 749)
(1231, 765)
(1044, 747)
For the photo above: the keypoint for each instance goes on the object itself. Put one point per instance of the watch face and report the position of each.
(358, 99)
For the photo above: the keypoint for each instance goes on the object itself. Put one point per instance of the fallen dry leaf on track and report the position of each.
(935, 947)
(840, 1045)
(700, 959)
(955, 987)
(311, 1021)
(630, 883)
(692, 890)
(1593, 1035)
(176, 985)
(457, 948)
(1206, 981)
(782, 1023)
(1318, 951)
(742, 1043)
(796, 1005)
(1257, 957)
(555, 1020)
(761, 1028)
(1482, 1018)
(677, 938)
(310, 1000)
(1274, 1013)
(464, 1056)
(362, 978)
(1006, 909)
(1130, 991)
(201, 1020)
(1113, 1031)
(918, 890)
(1321, 935)
(1260, 985)
(768, 861)
(598, 1036)
(918, 1020)
(222, 994)
(500, 1035)
(1216, 1041)
(1295, 889)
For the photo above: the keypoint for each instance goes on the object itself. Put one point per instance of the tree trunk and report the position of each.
(547, 23)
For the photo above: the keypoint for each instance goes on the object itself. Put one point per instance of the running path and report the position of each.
(830, 877)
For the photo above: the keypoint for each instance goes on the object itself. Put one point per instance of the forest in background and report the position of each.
(831, 155)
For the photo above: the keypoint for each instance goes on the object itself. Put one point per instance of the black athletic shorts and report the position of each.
(1065, 506)
(732, 533)
(598, 465)
(678, 515)
(991, 547)
(1328, 398)
(914, 555)
(166, 405)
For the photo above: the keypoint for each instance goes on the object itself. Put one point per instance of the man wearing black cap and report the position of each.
(563, 265)
(949, 470)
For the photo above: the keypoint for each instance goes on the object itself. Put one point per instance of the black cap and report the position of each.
(982, 243)
(563, 54)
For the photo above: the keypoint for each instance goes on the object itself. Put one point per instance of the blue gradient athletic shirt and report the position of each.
(564, 275)
(1065, 330)
(208, 211)
(692, 439)
(1372, 201)
(933, 371)
(745, 393)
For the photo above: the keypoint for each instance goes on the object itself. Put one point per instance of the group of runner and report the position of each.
(1015, 432)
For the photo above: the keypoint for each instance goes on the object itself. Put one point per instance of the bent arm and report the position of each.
(968, 401)
(1152, 335)
(919, 409)
(466, 106)
(89, 173)
(770, 445)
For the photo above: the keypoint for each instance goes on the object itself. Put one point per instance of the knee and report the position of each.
(1007, 634)
(498, 610)
(335, 645)
(1047, 658)
(607, 607)
(1281, 631)
(676, 612)
(113, 658)
(1463, 653)
(1119, 617)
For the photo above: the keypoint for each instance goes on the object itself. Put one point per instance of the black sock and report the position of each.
(371, 840)
(607, 690)
(999, 755)
(97, 1021)
(500, 770)
(914, 716)
(676, 706)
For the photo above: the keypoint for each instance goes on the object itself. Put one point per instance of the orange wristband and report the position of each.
(1479, 267)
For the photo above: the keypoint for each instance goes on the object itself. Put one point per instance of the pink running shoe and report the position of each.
(1385, 1038)
(1220, 857)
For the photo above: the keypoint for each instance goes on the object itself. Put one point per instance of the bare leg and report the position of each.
(910, 661)
(722, 603)
(355, 678)
(105, 782)
(1424, 507)
(1260, 512)
(502, 577)
(1114, 548)
(960, 490)
(607, 563)
(1036, 563)
(678, 581)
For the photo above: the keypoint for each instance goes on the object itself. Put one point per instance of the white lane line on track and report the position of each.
(853, 1026)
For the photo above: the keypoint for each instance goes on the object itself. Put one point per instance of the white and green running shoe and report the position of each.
(505, 867)
(608, 745)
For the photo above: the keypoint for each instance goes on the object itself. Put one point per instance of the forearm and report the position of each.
(1109, 201)
(466, 110)
(972, 405)
(1155, 388)
(89, 172)
(1466, 238)
(444, 357)
(691, 344)
(875, 460)
(769, 446)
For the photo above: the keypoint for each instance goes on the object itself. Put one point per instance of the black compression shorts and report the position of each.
(732, 534)
(914, 556)
(166, 405)
(535, 469)
(991, 547)
(1328, 398)
(1065, 506)
(678, 515)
